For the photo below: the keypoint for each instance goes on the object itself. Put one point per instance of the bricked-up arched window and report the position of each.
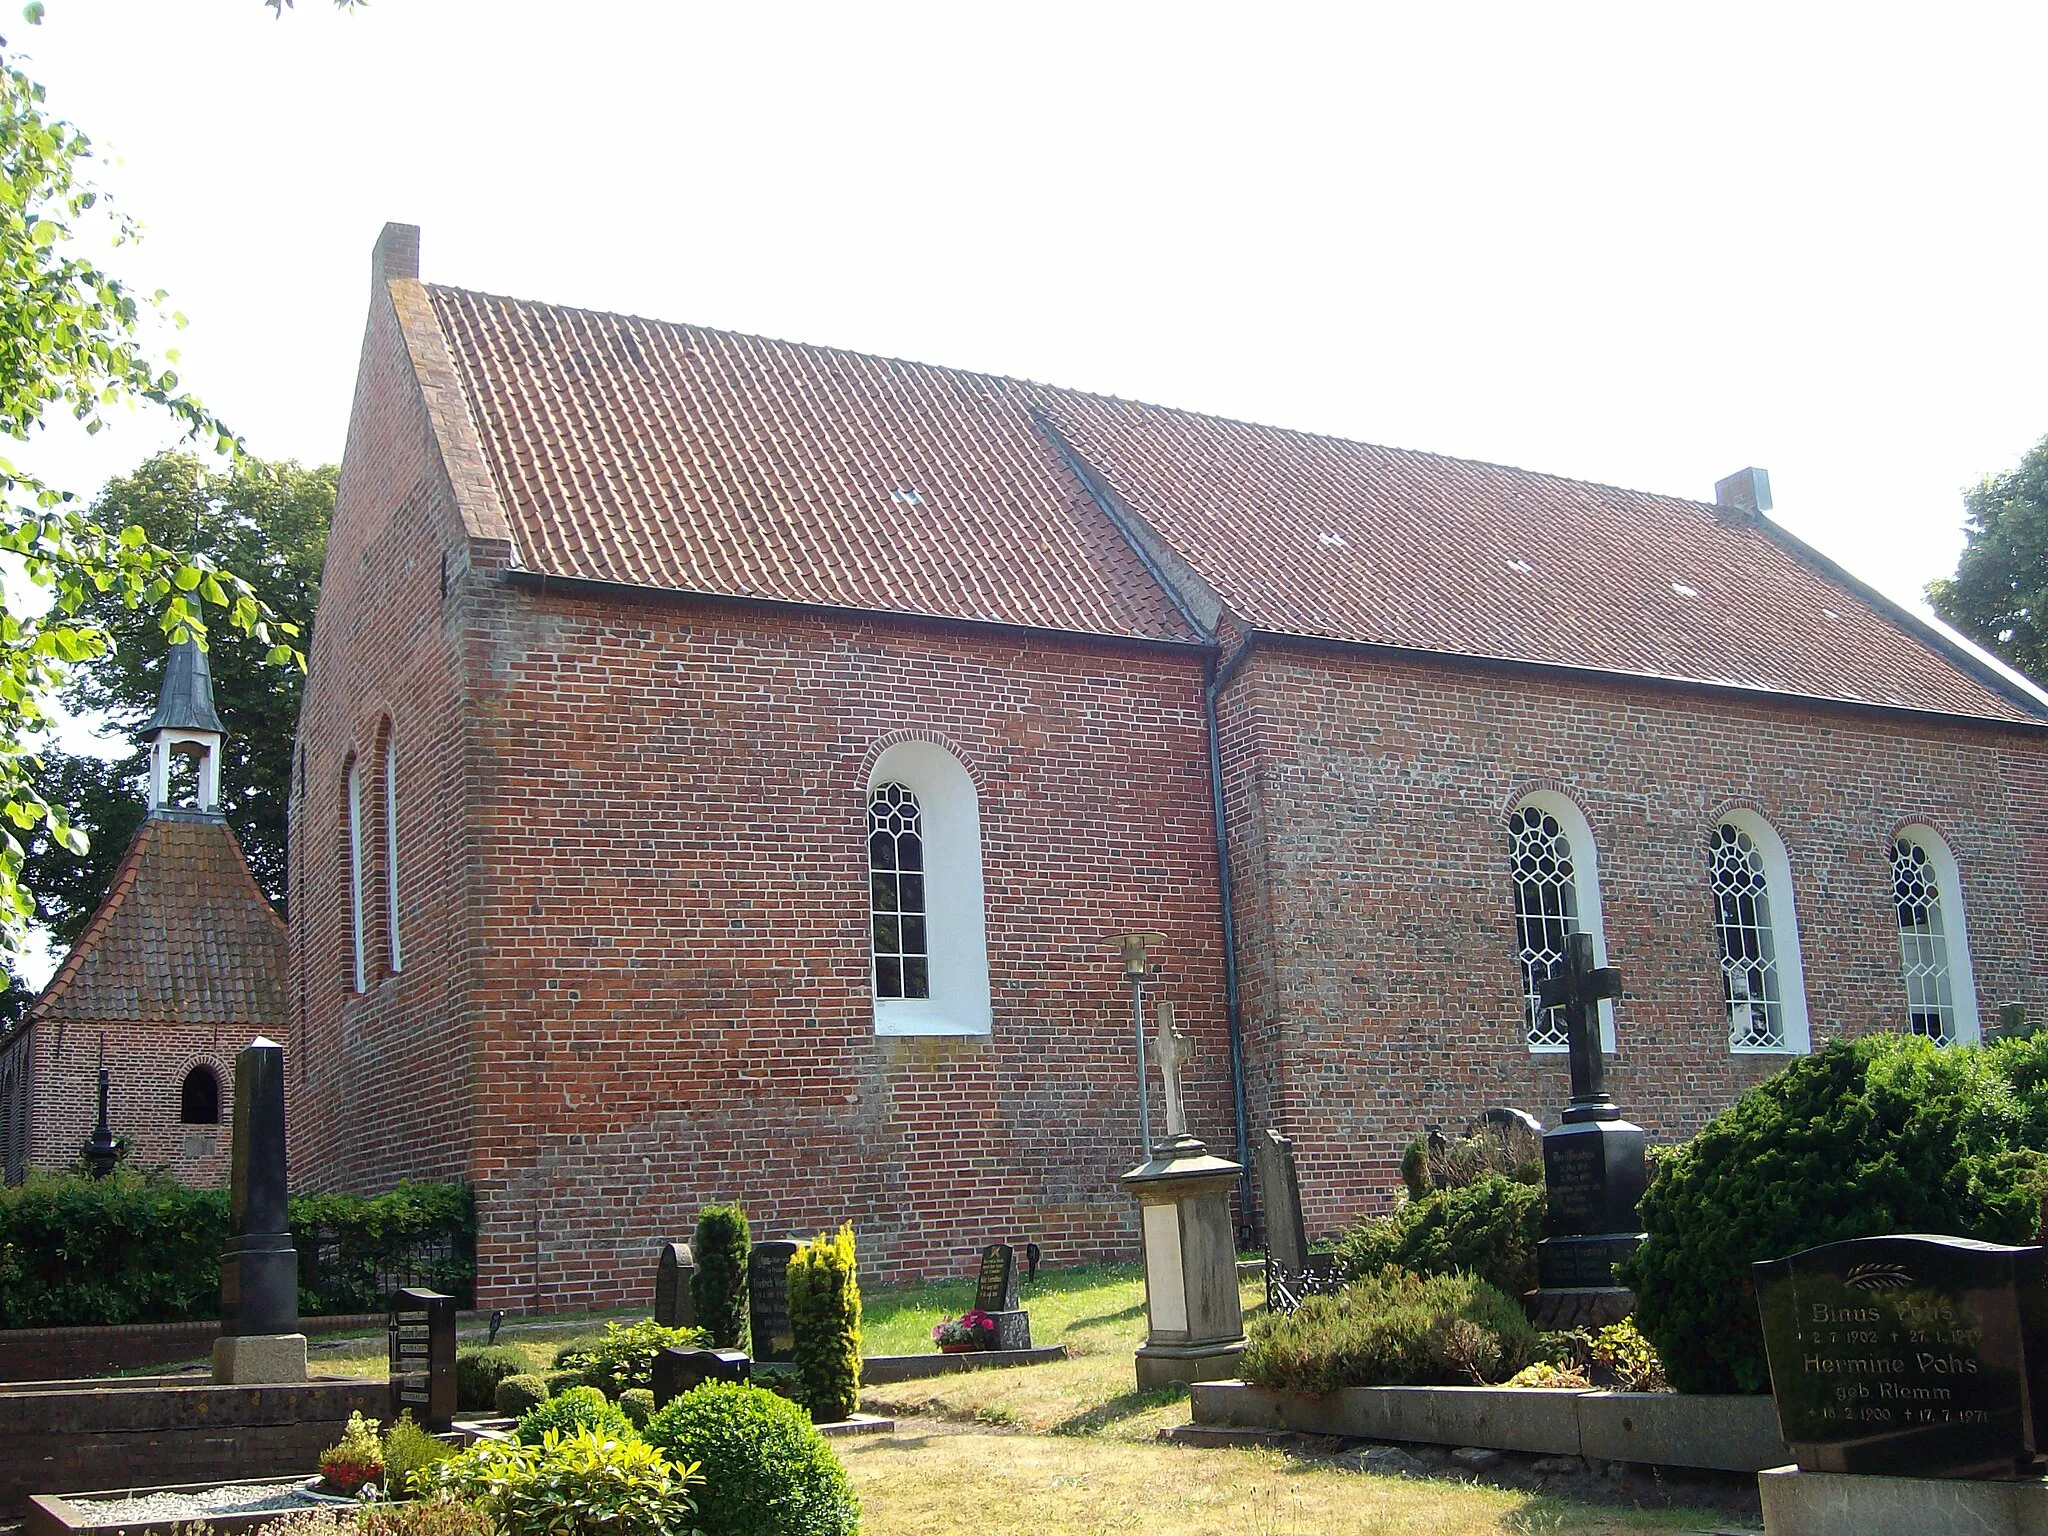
(896, 894)
(1756, 935)
(390, 768)
(352, 847)
(199, 1097)
(1555, 872)
(927, 930)
(1927, 896)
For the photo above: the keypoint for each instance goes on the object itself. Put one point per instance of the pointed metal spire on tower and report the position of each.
(185, 703)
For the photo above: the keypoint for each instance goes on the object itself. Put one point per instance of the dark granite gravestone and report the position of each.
(768, 1301)
(675, 1304)
(1594, 1168)
(996, 1289)
(259, 1269)
(678, 1370)
(1908, 1356)
(421, 1334)
(995, 1292)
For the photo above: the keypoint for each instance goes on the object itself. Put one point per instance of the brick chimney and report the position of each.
(396, 254)
(1742, 497)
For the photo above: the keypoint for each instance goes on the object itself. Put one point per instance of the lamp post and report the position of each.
(1138, 970)
(102, 1149)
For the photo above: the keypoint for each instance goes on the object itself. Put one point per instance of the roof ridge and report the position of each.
(1039, 385)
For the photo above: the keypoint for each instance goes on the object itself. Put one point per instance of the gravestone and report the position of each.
(1280, 1198)
(768, 1302)
(675, 1304)
(1594, 1167)
(995, 1292)
(259, 1269)
(1908, 1356)
(676, 1371)
(420, 1332)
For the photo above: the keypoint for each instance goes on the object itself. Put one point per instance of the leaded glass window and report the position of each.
(1923, 941)
(1750, 982)
(896, 893)
(1546, 911)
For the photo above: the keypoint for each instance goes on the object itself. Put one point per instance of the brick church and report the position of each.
(725, 762)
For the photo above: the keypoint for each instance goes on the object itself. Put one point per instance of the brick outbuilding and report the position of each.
(724, 762)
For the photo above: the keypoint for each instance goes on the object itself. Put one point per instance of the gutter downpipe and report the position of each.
(1218, 679)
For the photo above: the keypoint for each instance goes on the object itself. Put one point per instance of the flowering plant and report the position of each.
(975, 1330)
(357, 1460)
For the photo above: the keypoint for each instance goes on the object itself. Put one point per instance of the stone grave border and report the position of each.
(1728, 1433)
(882, 1370)
(52, 1514)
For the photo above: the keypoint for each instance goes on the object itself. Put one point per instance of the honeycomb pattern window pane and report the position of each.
(1546, 911)
(1923, 943)
(896, 894)
(1750, 981)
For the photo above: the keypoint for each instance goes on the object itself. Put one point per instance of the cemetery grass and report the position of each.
(1027, 1485)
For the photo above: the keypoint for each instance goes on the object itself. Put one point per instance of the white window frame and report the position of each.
(1586, 894)
(1777, 864)
(355, 871)
(956, 926)
(391, 850)
(1962, 976)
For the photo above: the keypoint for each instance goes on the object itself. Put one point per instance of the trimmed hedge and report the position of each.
(1392, 1329)
(517, 1396)
(1884, 1134)
(142, 1248)
(478, 1370)
(767, 1471)
(720, 1246)
(1487, 1228)
(824, 1318)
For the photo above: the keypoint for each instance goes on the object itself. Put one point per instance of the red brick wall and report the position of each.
(1368, 799)
(677, 1006)
(147, 1065)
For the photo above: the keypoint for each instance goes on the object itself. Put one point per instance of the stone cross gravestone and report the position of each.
(1170, 1051)
(1280, 1196)
(1908, 1356)
(996, 1288)
(675, 1304)
(259, 1268)
(420, 1332)
(768, 1301)
(1594, 1164)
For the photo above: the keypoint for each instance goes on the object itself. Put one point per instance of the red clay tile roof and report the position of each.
(183, 937)
(669, 456)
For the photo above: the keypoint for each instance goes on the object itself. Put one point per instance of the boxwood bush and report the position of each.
(518, 1396)
(577, 1408)
(478, 1370)
(1487, 1228)
(1884, 1134)
(767, 1471)
(1392, 1329)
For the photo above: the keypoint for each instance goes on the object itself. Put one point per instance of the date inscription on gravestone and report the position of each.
(768, 1301)
(1912, 1356)
(1573, 1176)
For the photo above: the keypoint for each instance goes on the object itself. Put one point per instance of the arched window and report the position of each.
(1927, 895)
(391, 850)
(199, 1097)
(1757, 935)
(352, 812)
(927, 932)
(1556, 874)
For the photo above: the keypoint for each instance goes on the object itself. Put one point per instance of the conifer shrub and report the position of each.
(577, 1408)
(720, 1246)
(824, 1319)
(517, 1396)
(1884, 1134)
(767, 1471)
(478, 1370)
(1394, 1328)
(1487, 1228)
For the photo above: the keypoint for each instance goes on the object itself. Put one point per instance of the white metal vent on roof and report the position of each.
(1523, 566)
(906, 498)
(1331, 540)
(1683, 590)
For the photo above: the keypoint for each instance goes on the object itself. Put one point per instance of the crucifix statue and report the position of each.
(1577, 988)
(1170, 1050)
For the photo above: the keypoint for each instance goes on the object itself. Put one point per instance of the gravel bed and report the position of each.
(184, 1507)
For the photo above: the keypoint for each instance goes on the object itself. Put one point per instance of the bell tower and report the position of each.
(185, 736)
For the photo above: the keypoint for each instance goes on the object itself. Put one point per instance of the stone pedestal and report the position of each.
(1013, 1329)
(259, 1359)
(1800, 1503)
(259, 1270)
(1195, 1327)
(1594, 1170)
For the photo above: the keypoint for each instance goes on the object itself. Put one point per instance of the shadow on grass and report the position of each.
(1135, 1309)
(1125, 1405)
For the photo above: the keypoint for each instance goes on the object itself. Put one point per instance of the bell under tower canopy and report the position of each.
(185, 726)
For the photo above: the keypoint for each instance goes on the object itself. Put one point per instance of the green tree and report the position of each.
(266, 521)
(1999, 594)
(72, 344)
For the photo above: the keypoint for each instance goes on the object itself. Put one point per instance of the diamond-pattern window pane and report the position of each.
(896, 898)
(1923, 942)
(1546, 911)
(1749, 946)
